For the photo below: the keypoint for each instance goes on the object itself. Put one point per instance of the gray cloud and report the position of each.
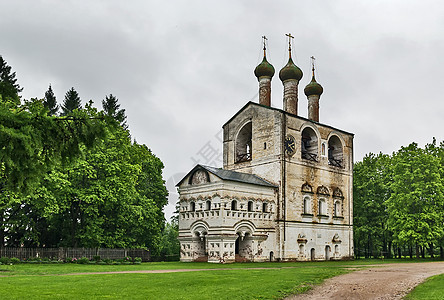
(181, 69)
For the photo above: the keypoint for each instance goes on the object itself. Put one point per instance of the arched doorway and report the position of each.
(327, 252)
(312, 254)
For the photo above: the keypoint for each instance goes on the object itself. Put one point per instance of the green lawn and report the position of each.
(239, 281)
(431, 289)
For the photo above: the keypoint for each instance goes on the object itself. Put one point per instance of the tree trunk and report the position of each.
(416, 250)
(411, 251)
(441, 252)
(431, 250)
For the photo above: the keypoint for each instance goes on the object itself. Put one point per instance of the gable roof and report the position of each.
(231, 176)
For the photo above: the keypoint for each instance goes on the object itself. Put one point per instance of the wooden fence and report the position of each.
(62, 253)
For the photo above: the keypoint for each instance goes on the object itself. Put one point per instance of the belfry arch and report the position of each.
(243, 143)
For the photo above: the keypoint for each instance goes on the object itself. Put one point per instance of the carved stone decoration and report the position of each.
(200, 177)
(337, 193)
(336, 238)
(301, 238)
(323, 190)
(307, 188)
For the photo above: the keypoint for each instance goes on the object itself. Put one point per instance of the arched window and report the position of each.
(192, 206)
(322, 207)
(234, 205)
(337, 208)
(335, 157)
(264, 207)
(208, 205)
(301, 249)
(243, 144)
(309, 144)
(250, 205)
(307, 206)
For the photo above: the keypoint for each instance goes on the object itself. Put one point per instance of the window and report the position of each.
(250, 205)
(264, 207)
(307, 206)
(322, 207)
(243, 144)
(335, 157)
(208, 205)
(234, 205)
(309, 145)
(192, 206)
(337, 209)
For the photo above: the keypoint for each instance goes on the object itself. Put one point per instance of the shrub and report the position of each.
(83, 260)
(137, 260)
(96, 258)
(15, 260)
(5, 260)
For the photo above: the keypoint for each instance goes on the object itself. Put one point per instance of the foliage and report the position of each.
(77, 179)
(9, 88)
(399, 201)
(112, 110)
(71, 102)
(50, 102)
(169, 245)
(370, 191)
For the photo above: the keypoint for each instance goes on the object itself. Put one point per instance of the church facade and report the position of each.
(285, 190)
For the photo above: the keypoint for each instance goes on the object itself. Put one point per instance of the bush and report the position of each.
(137, 260)
(96, 258)
(5, 260)
(15, 260)
(83, 260)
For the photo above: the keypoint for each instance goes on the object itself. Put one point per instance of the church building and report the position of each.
(285, 190)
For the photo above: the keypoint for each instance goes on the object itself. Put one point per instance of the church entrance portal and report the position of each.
(312, 254)
(327, 252)
(243, 248)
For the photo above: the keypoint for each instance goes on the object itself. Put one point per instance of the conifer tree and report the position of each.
(72, 101)
(111, 109)
(50, 102)
(9, 88)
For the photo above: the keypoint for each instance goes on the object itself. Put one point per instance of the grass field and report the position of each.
(228, 281)
(431, 289)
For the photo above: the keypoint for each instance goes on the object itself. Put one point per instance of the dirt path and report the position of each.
(391, 281)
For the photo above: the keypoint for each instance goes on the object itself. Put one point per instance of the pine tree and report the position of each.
(111, 109)
(9, 88)
(50, 102)
(72, 101)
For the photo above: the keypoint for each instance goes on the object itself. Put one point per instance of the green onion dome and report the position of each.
(290, 71)
(313, 88)
(264, 69)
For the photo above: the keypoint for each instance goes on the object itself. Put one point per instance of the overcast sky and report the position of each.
(181, 69)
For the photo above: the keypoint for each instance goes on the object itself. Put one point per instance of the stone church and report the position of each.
(285, 190)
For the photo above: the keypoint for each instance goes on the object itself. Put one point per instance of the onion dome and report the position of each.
(313, 88)
(290, 71)
(264, 69)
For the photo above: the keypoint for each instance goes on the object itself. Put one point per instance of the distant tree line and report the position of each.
(71, 176)
(399, 203)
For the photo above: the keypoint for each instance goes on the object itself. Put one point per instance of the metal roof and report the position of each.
(233, 176)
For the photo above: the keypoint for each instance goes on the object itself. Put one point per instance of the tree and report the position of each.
(9, 88)
(50, 102)
(112, 109)
(371, 188)
(416, 204)
(71, 102)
